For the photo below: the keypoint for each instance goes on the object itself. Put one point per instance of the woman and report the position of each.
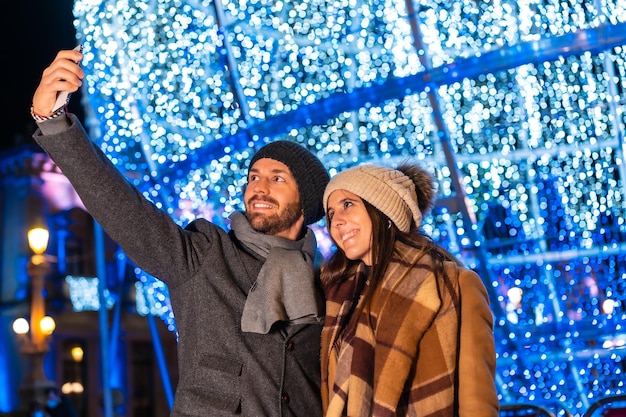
(408, 329)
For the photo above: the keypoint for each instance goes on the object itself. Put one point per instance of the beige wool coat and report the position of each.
(426, 349)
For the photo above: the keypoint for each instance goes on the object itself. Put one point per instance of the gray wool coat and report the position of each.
(222, 371)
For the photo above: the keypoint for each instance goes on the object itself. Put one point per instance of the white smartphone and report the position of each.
(64, 96)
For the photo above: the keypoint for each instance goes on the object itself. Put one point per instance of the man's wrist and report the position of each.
(41, 118)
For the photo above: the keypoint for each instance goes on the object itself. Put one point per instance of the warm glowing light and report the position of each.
(66, 388)
(20, 326)
(47, 325)
(38, 240)
(608, 306)
(77, 353)
(72, 388)
(515, 295)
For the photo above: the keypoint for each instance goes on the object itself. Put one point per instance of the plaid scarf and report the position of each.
(400, 358)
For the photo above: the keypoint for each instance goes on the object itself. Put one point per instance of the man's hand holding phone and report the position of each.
(63, 77)
(63, 97)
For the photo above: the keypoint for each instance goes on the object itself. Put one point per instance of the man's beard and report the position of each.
(275, 223)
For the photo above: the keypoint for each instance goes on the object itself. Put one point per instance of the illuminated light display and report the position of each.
(84, 294)
(517, 107)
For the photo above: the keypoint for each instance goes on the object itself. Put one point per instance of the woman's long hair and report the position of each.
(385, 235)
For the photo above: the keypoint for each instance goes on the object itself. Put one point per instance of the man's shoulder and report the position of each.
(215, 234)
(205, 226)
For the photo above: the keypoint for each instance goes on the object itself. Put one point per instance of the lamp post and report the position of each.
(35, 345)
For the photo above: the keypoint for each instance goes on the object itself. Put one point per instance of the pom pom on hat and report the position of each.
(392, 191)
(308, 171)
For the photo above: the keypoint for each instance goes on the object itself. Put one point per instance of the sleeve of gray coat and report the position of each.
(147, 234)
(477, 358)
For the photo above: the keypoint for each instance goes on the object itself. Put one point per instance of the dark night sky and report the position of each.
(33, 31)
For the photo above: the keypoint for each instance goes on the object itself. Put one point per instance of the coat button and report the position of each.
(284, 398)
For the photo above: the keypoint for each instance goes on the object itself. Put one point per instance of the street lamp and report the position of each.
(35, 345)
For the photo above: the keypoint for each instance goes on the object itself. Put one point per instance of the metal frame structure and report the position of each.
(595, 40)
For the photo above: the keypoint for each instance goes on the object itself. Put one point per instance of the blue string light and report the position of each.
(531, 97)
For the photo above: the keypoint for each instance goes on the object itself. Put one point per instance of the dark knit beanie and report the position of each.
(310, 174)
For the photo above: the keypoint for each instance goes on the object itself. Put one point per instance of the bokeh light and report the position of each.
(517, 107)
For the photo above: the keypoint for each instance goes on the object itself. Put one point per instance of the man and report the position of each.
(247, 302)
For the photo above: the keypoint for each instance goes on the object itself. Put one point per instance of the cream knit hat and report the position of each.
(387, 189)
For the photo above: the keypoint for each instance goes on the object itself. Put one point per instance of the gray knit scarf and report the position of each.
(285, 288)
